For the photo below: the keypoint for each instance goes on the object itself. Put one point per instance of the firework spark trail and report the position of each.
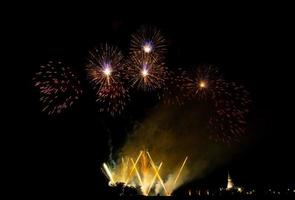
(154, 179)
(157, 173)
(123, 170)
(137, 173)
(142, 172)
(108, 172)
(58, 85)
(179, 172)
(133, 166)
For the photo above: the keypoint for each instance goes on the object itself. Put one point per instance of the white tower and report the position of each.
(230, 183)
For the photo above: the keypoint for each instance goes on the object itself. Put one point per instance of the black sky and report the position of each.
(62, 154)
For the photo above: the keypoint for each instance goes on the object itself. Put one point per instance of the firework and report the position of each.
(146, 73)
(146, 67)
(202, 83)
(176, 91)
(108, 173)
(154, 179)
(183, 86)
(180, 170)
(142, 172)
(112, 98)
(105, 66)
(231, 105)
(58, 85)
(228, 102)
(148, 41)
(105, 70)
(157, 174)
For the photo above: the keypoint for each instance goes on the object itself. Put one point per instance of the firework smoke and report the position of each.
(169, 134)
(143, 172)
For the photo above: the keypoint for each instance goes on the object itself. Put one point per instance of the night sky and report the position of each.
(62, 154)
